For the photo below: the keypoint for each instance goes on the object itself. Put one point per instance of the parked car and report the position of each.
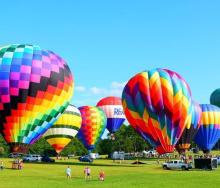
(150, 153)
(94, 155)
(15, 155)
(32, 158)
(177, 164)
(47, 159)
(218, 160)
(118, 155)
(85, 158)
(70, 156)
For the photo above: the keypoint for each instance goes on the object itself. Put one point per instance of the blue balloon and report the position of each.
(209, 131)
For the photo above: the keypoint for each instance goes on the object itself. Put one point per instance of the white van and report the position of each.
(32, 158)
(94, 155)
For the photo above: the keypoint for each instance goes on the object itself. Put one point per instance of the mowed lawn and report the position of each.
(126, 175)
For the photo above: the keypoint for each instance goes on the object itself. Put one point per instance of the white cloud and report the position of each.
(97, 91)
(115, 89)
(80, 88)
(118, 85)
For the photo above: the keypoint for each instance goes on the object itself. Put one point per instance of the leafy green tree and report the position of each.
(126, 139)
(4, 146)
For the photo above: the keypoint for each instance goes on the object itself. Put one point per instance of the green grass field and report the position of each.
(126, 175)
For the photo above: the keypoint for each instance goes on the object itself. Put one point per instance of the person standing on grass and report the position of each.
(87, 173)
(101, 175)
(68, 173)
(1, 165)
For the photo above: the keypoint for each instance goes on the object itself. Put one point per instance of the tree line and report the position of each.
(126, 139)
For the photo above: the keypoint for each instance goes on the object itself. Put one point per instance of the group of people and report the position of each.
(87, 174)
(17, 164)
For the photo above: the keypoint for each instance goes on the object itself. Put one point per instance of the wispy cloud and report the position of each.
(80, 88)
(115, 88)
(118, 85)
(91, 95)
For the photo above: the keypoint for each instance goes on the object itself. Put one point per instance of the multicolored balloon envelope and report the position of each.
(64, 129)
(113, 109)
(191, 128)
(93, 126)
(209, 131)
(35, 88)
(157, 104)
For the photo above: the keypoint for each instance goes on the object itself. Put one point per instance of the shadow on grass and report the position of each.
(180, 170)
(87, 164)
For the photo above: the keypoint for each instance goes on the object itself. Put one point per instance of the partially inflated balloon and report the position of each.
(191, 128)
(215, 98)
(161, 99)
(114, 112)
(93, 126)
(35, 88)
(64, 129)
(209, 131)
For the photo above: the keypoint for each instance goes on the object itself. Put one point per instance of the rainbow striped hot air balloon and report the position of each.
(64, 129)
(209, 131)
(93, 126)
(113, 109)
(191, 128)
(35, 88)
(157, 104)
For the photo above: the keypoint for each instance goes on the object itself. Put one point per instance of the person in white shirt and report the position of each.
(68, 172)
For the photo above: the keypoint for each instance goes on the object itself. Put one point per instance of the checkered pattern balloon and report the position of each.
(64, 129)
(157, 104)
(93, 126)
(35, 88)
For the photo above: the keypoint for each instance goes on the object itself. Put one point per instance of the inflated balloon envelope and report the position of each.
(93, 126)
(191, 128)
(160, 99)
(64, 129)
(209, 131)
(35, 88)
(113, 109)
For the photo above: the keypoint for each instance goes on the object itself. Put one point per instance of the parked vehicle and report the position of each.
(86, 158)
(118, 155)
(150, 153)
(206, 163)
(47, 159)
(218, 160)
(70, 156)
(32, 158)
(177, 164)
(15, 155)
(94, 155)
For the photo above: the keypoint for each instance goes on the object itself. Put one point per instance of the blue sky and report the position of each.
(106, 42)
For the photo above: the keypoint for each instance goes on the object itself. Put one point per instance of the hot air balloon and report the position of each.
(114, 112)
(93, 126)
(191, 128)
(209, 131)
(64, 129)
(215, 97)
(163, 98)
(35, 88)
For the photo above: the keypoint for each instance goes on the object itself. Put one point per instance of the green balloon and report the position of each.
(215, 97)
